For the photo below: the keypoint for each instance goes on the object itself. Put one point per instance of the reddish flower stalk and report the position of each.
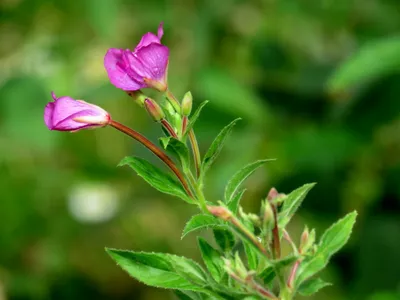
(292, 275)
(169, 128)
(153, 148)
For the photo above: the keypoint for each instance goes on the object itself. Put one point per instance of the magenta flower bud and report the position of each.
(67, 114)
(154, 110)
(144, 67)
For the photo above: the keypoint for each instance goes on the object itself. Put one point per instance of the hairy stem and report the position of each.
(153, 148)
(292, 275)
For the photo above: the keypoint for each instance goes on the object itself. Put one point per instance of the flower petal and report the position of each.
(117, 70)
(146, 40)
(154, 59)
(48, 115)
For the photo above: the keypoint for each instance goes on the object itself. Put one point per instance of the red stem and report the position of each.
(153, 148)
(293, 273)
(169, 128)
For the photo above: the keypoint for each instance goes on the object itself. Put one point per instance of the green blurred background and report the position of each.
(316, 82)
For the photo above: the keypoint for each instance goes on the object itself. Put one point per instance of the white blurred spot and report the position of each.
(93, 203)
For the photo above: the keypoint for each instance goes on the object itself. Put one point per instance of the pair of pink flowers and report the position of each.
(144, 67)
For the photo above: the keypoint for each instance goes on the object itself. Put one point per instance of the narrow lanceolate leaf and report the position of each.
(233, 205)
(334, 238)
(216, 146)
(309, 287)
(292, 202)
(354, 70)
(178, 149)
(201, 222)
(187, 295)
(212, 259)
(240, 176)
(155, 177)
(160, 270)
(195, 116)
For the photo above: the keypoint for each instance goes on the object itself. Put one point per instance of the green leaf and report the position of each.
(252, 256)
(234, 204)
(159, 270)
(212, 259)
(362, 66)
(216, 146)
(309, 287)
(202, 221)
(195, 116)
(155, 177)
(334, 238)
(187, 295)
(286, 261)
(267, 275)
(225, 239)
(237, 179)
(291, 203)
(178, 149)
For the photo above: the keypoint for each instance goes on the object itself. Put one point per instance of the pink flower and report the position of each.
(67, 114)
(146, 66)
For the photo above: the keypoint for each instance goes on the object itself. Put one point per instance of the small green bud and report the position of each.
(307, 240)
(254, 219)
(268, 216)
(138, 97)
(239, 267)
(187, 104)
(154, 110)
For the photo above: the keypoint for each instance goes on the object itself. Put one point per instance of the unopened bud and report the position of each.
(307, 240)
(220, 212)
(239, 267)
(254, 219)
(275, 197)
(268, 216)
(138, 97)
(187, 104)
(154, 110)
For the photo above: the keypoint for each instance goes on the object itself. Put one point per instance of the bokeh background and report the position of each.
(316, 82)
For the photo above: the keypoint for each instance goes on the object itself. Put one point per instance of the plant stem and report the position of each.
(292, 275)
(196, 152)
(169, 128)
(153, 148)
(276, 244)
(184, 124)
(254, 286)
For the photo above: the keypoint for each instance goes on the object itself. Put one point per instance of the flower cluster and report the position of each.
(262, 270)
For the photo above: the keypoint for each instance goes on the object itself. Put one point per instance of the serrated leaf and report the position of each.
(212, 259)
(224, 239)
(240, 176)
(155, 269)
(201, 222)
(161, 181)
(309, 287)
(291, 203)
(178, 149)
(187, 295)
(216, 146)
(363, 66)
(234, 204)
(195, 116)
(334, 238)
